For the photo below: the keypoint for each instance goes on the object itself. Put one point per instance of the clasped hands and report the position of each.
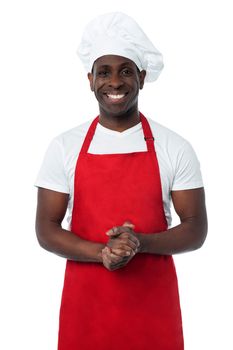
(122, 246)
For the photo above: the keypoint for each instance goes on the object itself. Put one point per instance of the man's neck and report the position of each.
(121, 122)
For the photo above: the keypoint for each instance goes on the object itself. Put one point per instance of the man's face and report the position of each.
(116, 81)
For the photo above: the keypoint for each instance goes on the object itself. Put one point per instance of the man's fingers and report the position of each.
(112, 261)
(121, 252)
(123, 239)
(110, 256)
(114, 232)
(117, 230)
(129, 224)
(110, 265)
(130, 237)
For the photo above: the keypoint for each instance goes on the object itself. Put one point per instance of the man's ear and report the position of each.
(142, 76)
(90, 78)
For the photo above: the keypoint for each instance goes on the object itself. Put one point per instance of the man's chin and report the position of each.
(114, 112)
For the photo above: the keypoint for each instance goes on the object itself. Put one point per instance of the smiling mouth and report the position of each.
(115, 97)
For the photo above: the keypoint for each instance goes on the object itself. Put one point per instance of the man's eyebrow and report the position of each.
(127, 63)
(103, 66)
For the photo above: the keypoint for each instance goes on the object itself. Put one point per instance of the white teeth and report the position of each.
(115, 97)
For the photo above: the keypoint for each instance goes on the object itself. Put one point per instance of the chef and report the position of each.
(117, 175)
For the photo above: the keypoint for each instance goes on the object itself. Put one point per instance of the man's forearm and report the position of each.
(187, 236)
(55, 239)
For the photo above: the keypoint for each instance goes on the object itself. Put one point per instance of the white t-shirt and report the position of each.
(179, 166)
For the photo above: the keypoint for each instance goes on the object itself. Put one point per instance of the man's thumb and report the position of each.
(129, 224)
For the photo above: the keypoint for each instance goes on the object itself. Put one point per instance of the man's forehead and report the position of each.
(113, 60)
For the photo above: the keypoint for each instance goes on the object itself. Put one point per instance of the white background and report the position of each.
(44, 91)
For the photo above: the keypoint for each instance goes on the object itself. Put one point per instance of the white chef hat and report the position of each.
(118, 34)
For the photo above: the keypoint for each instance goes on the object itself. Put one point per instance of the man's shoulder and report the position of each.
(77, 131)
(73, 135)
(166, 136)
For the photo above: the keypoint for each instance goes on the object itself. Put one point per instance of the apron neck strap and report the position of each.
(148, 136)
(89, 136)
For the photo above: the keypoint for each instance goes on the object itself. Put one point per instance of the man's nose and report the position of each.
(115, 81)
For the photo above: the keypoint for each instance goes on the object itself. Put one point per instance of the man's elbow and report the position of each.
(201, 236)
(42, 235)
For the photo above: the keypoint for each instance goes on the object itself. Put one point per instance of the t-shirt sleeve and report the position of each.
(52, 173)
(187, 174)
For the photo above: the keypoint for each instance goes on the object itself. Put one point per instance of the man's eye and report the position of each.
(102, 73)
(126, 72)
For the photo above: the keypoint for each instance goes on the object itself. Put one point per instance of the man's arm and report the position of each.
(51, 209)
(189, 235)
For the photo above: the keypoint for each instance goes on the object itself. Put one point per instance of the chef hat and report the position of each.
(118, 34)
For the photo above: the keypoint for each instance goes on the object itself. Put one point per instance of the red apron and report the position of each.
(136, 307)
